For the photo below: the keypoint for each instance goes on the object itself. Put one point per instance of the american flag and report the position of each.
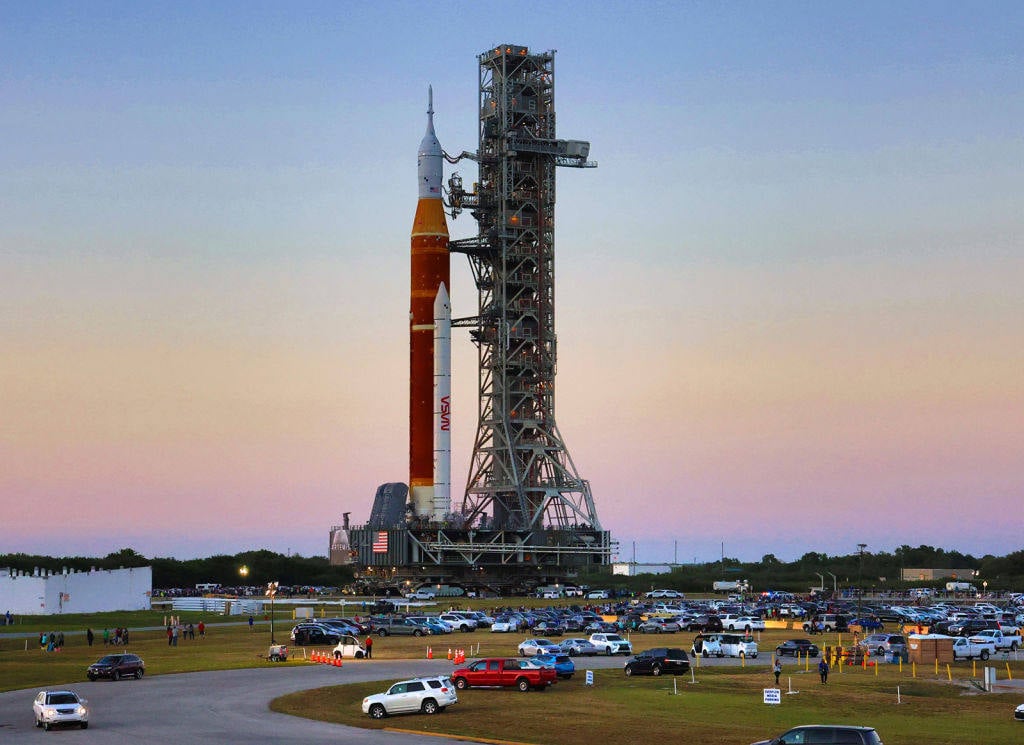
(380, 546)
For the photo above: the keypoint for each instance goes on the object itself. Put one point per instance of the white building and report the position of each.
(96, 591)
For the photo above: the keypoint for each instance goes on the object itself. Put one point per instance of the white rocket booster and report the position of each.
(442, 404)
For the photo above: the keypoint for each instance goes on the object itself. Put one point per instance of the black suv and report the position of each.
(826, 733)
(658, 660)
(972, 626)
(315, 633)
(117, 666)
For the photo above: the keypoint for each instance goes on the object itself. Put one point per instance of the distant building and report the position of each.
(42, 592)
(930, 575)
(632, 568)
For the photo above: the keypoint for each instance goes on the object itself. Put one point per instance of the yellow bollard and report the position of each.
(913, 666)
(949, 673)
(901, 664)
(743, 660)
(1008, 673)
(936, 665)
(974, 668)
(876, 669)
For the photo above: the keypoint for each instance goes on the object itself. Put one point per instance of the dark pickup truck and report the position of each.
(504, 672)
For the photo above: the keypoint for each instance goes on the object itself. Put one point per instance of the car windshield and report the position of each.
(110, 659)
(61, 698)
(613, 638)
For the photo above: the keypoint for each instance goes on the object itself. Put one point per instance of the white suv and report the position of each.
(611, 644)
(429, 695)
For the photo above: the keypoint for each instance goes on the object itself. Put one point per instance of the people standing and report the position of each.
(251, 621)
(170, 634)
(175, 636)
(777, 669)
(106, 637)
(202, 630)
(89, 636)
(369, 647)
(823, 671)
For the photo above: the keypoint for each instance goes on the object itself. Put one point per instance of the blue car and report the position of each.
(563, 664)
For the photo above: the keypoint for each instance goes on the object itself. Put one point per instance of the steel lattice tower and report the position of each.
(521, 475)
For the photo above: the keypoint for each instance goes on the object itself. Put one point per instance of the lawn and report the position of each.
(724, 706)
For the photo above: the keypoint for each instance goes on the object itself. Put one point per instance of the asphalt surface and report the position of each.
(230, 706)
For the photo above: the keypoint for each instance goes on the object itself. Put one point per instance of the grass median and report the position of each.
(724, 706)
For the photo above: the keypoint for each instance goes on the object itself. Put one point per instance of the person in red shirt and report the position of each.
(369, 646)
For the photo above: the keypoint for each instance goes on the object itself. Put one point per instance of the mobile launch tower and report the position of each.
(527, 517)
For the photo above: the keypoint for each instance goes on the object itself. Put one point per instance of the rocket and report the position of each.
(429, 401)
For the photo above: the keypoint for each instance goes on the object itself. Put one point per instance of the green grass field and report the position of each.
(724, 706)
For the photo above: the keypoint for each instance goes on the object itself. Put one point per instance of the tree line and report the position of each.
(263, 566)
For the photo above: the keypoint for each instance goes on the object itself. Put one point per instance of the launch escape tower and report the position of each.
(527, 516)
(521, 470)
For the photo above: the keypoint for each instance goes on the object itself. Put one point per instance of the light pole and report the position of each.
(860, 576)
(271, 592)
(835, 584)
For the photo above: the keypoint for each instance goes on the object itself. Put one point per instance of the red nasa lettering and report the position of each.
(446, 413)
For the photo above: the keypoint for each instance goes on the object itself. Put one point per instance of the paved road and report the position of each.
(226, 706)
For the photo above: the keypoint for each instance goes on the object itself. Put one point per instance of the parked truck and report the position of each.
(959, 587)
(998, 637)
(739, 585)
(504, 672)
(968, 649)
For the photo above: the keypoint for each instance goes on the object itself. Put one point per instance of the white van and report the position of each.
(724, 645)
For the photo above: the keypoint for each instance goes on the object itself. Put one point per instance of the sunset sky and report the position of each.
(790, 303)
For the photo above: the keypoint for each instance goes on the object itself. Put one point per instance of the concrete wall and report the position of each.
(94, 591)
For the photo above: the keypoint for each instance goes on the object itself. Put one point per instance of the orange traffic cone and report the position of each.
(430, 653)
(449, 653)
(312, 656)
(337, 662)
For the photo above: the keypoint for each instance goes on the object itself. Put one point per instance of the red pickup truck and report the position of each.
(504, 672)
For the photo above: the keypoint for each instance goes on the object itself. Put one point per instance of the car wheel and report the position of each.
(742, 655)
(881, 651)
(747, 629)
(382, 632)
(704, 653)
(417, 632)
(1013, 646)
(628, 671)
(461, 683)
(46, 726)
(139, 673)
(91, 678)
(573, 653)
(656, 670)
(608, 651)
(85, 725)
(984, 654)
(429, 706)
(115, 676)
(377, 712)
(523, 685)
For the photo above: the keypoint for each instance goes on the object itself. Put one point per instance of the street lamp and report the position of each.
(271, 592)
(860, 575)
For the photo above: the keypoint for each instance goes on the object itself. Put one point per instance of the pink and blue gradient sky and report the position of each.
(790, 312)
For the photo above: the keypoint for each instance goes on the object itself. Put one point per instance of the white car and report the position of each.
(459, 622)
(533, 647)
(665, 594)
(51, 708)
(597, 595)
(744, 623)
(428, 695)
(1018, 713)
(506, 625)
(349, 648)
(724, 645)
(611, 644)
